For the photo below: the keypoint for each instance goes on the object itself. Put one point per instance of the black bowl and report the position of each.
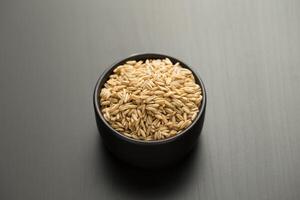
(149, 154)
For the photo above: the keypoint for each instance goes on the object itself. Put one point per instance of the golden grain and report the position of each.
(150, 100)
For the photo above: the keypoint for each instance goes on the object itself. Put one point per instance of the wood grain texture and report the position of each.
(247, 52)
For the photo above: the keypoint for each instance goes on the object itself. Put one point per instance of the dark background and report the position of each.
(247, 53)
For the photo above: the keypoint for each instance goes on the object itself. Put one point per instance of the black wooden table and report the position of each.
(247, 52)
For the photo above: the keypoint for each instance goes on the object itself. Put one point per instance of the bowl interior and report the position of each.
(105, 76)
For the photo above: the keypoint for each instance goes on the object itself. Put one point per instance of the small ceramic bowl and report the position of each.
(149, 154)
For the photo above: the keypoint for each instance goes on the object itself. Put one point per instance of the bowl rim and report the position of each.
(147, 142)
